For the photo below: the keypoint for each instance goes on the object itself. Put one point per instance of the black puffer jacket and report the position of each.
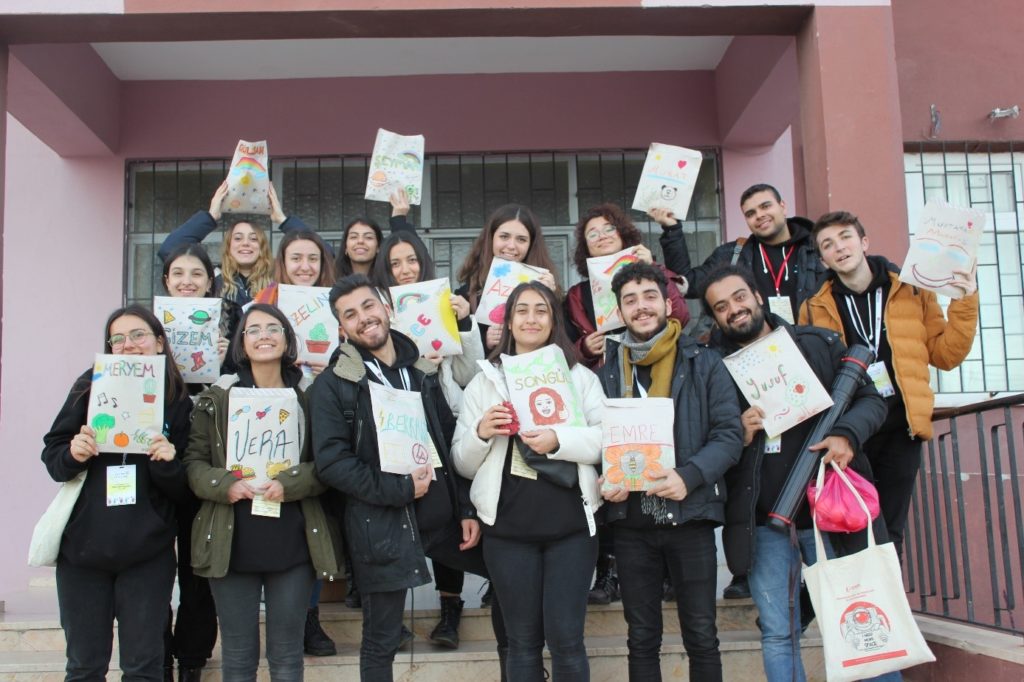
(382, 520)
(824, 352)
(708, 433)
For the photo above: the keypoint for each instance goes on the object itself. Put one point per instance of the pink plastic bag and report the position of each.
(836, 507)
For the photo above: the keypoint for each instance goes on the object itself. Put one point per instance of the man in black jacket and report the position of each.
(391, 521)
(673, 523)
(767, 556)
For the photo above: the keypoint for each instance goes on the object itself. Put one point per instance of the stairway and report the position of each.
(32, 650)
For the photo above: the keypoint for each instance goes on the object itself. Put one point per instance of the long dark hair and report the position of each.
(343, 264)
(478, 262)
(174, 385)
(507, 344)
(291, 352)
(196, 251)
(382, 276)
(326, 277)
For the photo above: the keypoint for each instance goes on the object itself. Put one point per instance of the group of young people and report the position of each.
(537, 533)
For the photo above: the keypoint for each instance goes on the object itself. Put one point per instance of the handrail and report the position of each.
(973, 408)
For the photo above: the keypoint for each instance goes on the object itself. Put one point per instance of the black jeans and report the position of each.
(195, 630)
(543, 588)
(382, 633)
(91, 599)
(895, 460)
(688, 552)
(446, 578)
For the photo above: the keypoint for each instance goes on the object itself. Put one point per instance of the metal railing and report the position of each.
(964, 555)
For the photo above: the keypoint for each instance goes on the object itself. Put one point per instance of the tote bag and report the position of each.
(45, 544)
(866, 625)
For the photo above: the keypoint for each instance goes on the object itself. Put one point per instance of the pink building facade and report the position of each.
(821, 99)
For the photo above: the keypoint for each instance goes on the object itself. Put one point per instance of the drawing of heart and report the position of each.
(681, 164)
(436, 343)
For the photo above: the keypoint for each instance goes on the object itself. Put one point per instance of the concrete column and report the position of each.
(850, 122)
(3, 184)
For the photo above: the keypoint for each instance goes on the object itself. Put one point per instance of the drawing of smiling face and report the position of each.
(545, 405)
(668, 193)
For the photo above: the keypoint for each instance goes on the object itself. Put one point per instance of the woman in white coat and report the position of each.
(539, 541)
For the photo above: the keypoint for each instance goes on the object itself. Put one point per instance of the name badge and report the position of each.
(121, 485)
(880, 377)
(783, 307)
(519, 466)
(773, 445)
(591, 525)
(261, 507)
(435, 458)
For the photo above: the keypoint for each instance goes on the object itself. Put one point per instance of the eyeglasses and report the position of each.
(269, 330)
(597, 233)
(136, 336)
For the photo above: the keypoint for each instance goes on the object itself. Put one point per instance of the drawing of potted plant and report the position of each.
(149, 391)
(319, 340)
(101, 424)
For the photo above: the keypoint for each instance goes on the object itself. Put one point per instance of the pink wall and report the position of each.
(503, 112)
(49, 339)
(965, 61)
(744, 167)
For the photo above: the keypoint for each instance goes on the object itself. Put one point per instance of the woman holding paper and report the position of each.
(602, 231)
(272, 538)
(513, 233)
(116, 559)
(539, 535)
(188, 273)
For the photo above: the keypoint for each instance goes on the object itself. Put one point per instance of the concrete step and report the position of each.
(474, 661)
(344, 625)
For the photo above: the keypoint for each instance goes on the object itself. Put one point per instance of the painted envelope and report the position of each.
(600, 271)
(193, 327)
(946, 240)
(403, 437)
(265, 432)
(503, 277)
(397, 163)
(668, 179)
(541, 390)
(249, 179)
(126, 401)
(308, 309)
(423, 312)
(637, 442)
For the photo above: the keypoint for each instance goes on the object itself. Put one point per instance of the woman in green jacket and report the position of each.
(243, 553)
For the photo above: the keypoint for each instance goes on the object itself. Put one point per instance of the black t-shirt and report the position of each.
(782, 268)
(536, 510)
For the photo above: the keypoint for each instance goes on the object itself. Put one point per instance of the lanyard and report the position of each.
(379, 373)
(784, 268)
(873, 335)
(636, 382)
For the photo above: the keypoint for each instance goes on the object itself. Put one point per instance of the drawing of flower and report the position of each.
(633, 465)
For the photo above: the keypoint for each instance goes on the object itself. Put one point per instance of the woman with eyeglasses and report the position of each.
(116, 562)
(244, 554)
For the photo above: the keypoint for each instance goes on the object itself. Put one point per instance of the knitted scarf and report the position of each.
(659, 352)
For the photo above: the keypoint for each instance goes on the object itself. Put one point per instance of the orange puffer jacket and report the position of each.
(919, 336)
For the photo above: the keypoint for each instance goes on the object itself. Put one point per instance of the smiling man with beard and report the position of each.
(672, 525)
(391, 521)
(768, 558)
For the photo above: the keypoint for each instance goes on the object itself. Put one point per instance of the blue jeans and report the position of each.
(543, 589)
(286, 594)
(688, 552)
(769, 578)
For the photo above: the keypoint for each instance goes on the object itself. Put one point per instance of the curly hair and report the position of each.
(614, 214)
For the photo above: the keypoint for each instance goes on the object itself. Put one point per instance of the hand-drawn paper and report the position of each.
(600, 271)
(264, 432)
(946, 240)
(397, 163)
(423, 311)
(772, 374)
(541, 390)
(248, 180)
(126, 402)
(403, 439)
(637, 442)
(309, 311)
(668, 178)
(193, 327)
(503, 277)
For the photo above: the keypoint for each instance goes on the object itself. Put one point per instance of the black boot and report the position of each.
(352, 598)
(606, 584)
(186, 674)
(446, 633)
(737, 589)
(316, 642)
(485, 601)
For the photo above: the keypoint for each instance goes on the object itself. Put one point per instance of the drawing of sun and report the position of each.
(633, 465)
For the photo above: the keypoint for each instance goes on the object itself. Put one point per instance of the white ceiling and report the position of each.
(269, 59)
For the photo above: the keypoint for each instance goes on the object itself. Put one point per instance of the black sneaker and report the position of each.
(606, 587)
(446, 632)
(668, 590)
(352, 598)
(737, 589)
(485, 601)
(315, 642)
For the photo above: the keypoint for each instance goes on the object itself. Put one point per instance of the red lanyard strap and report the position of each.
(776, 278)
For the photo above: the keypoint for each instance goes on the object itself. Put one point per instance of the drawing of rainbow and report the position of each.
(247, 163)
(405, 300)
(621, 262)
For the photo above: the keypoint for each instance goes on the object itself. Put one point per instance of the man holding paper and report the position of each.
(865, 302)
(672, 524)
(752, 548)
(381, 434)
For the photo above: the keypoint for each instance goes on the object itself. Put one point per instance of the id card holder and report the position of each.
(261, 507)
(783, 307)
(880, 377)
(589, 512)
(519, 466)
(121, 485)
(773, 446)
